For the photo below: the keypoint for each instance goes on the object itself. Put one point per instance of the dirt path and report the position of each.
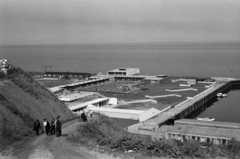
(52, 147)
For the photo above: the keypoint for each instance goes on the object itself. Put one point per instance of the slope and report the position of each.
(23, 100)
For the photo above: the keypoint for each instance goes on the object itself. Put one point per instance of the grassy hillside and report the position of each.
(23, 100)
(105, 133)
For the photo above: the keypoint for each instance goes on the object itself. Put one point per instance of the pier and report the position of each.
(157, 126)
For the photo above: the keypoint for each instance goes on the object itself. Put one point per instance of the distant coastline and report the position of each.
(179, 44)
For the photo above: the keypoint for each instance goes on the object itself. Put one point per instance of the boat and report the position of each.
(224, 95)
(219, 95)
(206, 119)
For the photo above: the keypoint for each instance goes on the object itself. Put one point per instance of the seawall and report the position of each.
(185, 108)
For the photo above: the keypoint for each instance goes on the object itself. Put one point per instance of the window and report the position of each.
(208, 140)
(198, 138)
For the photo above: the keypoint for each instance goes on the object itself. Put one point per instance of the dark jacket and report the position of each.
(36, 125)
(58, 125)
(48, 125)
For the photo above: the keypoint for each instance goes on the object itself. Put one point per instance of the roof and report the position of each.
(123, 69)
(216, 124)
(130, 76)
(82, 105)
(74, 96)
(204, 131)
(84, 82)
(55, 89)
(68, 73)
(114, 110)
(100, 76)
(153, 78)
(162, 76)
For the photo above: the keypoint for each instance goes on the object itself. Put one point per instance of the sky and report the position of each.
(26, 22)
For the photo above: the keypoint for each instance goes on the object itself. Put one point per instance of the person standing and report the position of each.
(43, 127)
(47, 126)
(58, 126)
(36, 126)
(91, 113)
(52, 126)
(84, 117)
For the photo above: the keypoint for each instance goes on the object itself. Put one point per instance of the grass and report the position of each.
(106, 133)
(23, 100)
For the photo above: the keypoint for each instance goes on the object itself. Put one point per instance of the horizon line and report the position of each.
(134, 43)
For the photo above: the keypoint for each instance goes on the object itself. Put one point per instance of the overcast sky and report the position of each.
(118, 21)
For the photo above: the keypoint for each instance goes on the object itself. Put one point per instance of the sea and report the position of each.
(188, 59)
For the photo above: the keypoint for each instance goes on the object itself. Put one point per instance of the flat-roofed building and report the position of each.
(203, 131)
(152, 79)
(124, 71)
(88, 83)
(73, 96)
(97, 103)
(140, 115)
(129, 78)
(78, 75)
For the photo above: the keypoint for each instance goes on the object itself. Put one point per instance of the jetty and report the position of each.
(158, 126)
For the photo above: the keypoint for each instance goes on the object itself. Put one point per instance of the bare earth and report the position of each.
(52, 147)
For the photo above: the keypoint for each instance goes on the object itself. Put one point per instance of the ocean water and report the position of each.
(188, 60)
(224, 109)
(211, 60)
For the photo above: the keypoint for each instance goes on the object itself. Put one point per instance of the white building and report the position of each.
(140, 115)
(124, 71)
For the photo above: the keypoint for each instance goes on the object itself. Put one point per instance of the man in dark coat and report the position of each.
(84, 117)
(36, 126)
(58, 126)
(52, 126)
(42, 126)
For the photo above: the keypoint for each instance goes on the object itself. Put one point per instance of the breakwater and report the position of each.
(204, 97)
(184, 109)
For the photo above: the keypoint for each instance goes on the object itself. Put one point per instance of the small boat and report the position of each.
(206, 119)
(219, 95)
(224, 95)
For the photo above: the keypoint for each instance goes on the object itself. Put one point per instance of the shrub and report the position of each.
(104, 131)
(101, 131)
(6, 130)
(193, 148)
(233, 147)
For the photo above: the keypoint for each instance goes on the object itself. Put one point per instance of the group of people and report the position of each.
(50, 128)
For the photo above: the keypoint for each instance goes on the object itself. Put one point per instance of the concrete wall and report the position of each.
(121, 115)
(118, 113)
(148, 114)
